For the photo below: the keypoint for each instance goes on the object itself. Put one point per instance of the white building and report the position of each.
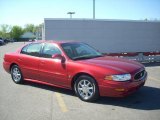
(108, 36)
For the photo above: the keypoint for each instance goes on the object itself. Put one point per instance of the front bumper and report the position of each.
(120, 89)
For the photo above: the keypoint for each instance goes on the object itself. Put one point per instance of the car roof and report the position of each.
(57, 41)
(49, 41)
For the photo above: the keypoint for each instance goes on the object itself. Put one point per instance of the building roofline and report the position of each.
(109, 20)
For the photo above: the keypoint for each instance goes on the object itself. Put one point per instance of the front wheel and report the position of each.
(16, 74)
(86, 88)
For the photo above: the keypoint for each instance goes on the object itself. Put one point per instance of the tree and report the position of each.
(1, 34)
(30, 28)
(5, 31)
(39, 31)
(16, 32)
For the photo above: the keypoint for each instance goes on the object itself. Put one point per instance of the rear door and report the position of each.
(29, 60)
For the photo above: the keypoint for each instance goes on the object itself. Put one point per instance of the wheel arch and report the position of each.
(12, 65)
(74, 78)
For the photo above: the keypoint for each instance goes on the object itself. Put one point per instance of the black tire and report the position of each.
(16, 74)
(86, 88)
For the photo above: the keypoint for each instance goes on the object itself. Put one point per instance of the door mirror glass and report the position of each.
(58, 56)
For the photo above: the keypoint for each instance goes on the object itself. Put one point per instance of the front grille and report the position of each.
(139, 75)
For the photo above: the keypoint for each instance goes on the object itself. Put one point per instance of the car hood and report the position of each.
(116, 64)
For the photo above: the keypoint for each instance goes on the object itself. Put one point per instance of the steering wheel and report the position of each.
(83, 52)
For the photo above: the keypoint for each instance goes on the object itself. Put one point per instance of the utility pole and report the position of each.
(93, 9)
(71, 13)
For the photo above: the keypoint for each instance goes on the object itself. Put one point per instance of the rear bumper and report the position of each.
(120, 89)
(6, 66)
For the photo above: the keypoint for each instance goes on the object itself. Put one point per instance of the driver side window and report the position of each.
(49, 50)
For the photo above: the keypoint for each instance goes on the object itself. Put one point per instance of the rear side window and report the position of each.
(49, 50)
(32, 49)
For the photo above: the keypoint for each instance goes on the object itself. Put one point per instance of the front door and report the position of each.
(52, 70)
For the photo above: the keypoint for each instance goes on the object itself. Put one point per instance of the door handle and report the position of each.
(42, 62)
(19, 59)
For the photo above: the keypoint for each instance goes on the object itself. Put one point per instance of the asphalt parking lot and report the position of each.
(31, 101)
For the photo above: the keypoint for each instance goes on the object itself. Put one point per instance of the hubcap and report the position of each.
(16, 74)
(85, 89)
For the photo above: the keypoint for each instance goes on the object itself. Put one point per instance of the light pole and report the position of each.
(93, 9)
(70, 13)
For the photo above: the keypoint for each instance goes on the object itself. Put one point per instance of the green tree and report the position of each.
(30, 28)
(1, 34)
(16, 32)
(5, 31)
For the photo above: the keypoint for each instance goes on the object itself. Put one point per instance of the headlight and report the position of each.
(123, 77)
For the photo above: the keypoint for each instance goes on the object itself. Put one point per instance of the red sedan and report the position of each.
(77, 66)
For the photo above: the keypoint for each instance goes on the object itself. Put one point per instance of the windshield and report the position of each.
(77, 51)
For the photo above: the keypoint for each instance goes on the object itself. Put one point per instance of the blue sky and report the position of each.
(21, 12)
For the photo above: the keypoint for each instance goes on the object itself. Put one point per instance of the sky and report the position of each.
(21, 12)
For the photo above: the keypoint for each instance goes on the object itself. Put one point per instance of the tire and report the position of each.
(86, 88)
(16, 74)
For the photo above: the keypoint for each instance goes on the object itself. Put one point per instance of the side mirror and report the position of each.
(59, 56)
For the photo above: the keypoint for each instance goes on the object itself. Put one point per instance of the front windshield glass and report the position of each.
(77, 51)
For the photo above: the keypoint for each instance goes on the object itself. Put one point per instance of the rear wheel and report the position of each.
(86, 88)
(16, 74)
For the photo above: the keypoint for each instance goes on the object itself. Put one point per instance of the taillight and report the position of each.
(4, 58)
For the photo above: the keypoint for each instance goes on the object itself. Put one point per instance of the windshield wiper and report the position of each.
(98, 56)
(86, 57)
(81, 58)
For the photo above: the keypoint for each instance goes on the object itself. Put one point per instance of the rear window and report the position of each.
(32, 49)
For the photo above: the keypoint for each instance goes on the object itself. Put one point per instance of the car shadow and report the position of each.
(50, 88)
(146, 98)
